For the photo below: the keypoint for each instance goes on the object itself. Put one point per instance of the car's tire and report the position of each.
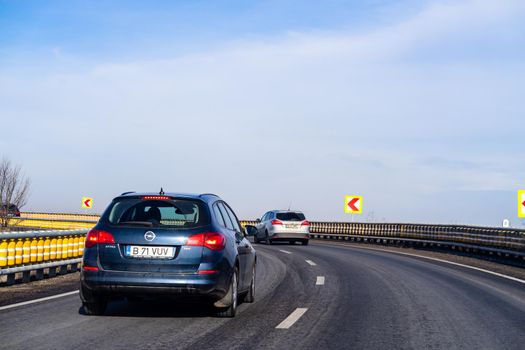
(250, 296)
(93, 304)
(267, 239)
(95, 308)
(305, 242)
(233, 296)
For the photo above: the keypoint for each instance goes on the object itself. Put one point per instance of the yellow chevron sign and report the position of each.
(87, 203)
(353, 204)
(521, 203)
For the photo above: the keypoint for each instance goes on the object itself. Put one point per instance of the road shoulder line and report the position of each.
(12, 306)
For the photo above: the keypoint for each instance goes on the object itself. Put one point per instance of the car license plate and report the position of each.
(152, 252)
(292, 226)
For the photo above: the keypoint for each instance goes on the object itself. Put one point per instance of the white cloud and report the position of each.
(304, 117)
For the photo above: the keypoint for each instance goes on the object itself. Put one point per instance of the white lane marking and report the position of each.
(37, 300)
(440, 260)
(285, 251)
(319, 281)
(311, 262)
(290, 320)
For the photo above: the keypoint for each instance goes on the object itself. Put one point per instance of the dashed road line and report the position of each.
(319, 281)
(285, 251)
(290, 320)
(38, 300)
(311, 262)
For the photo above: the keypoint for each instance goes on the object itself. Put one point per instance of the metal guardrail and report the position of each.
(488, 238)
(55, 222)
(59, 216)
(506, 241)
(38, 250)
(26, 251)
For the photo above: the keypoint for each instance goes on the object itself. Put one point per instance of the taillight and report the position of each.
(91, 238)
(155, 198)
(277, 222)
(95, 237)
(90, 268)
(196, 240)
(305, 223)
(212, 240)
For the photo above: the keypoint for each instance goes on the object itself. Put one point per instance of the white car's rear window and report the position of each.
(290, 216)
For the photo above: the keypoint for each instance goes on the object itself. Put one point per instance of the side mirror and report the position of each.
(250, 230)
(257, 220)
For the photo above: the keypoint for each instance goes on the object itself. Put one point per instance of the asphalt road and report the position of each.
(369, 300)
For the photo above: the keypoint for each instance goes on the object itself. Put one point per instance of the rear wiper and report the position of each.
(140, 223)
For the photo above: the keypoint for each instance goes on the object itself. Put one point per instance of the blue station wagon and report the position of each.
(178, 245)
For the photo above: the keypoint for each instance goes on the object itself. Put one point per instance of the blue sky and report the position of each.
(130, 29)
(416, 105)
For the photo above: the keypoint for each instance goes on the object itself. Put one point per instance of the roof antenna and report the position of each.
(161, 191)
(289, 205)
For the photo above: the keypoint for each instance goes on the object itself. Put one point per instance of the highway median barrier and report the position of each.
(502, 242)
(24, 252)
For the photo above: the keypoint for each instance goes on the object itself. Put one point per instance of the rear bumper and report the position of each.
(289, 235)
(117, 283)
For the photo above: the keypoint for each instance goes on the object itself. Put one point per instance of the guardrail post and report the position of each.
(26, 276)
(52, 272)
(62, 270)
(10, 279)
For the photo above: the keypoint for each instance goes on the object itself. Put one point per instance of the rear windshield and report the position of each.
(180, 213)
(290, 216)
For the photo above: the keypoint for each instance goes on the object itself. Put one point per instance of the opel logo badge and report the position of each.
(149, 236)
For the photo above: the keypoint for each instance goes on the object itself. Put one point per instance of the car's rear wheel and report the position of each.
(93, 304)
(231, 298)
(305, 241)
(250, 297)
(95, 308)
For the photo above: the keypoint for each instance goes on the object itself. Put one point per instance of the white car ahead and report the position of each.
(283, 225)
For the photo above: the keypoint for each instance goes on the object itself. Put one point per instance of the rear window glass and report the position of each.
(180, 213)
(290, 216)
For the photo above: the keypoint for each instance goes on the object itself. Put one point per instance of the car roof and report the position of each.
(286, 211)
(204, 196)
